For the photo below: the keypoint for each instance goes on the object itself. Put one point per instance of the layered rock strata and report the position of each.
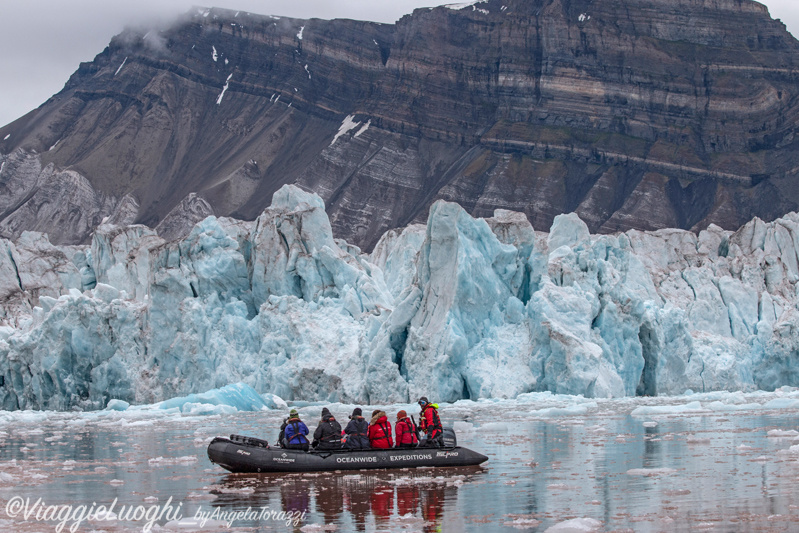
(641, 114)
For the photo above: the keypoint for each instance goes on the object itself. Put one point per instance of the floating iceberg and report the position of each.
(226, 400)
(236, 397)
(461, 308)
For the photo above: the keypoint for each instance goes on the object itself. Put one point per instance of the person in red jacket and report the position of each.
(380, 430)
(430, 423)
(406, 431)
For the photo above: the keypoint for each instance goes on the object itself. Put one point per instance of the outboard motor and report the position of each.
(448, 438)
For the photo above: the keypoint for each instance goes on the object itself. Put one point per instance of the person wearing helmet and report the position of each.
(430, 423)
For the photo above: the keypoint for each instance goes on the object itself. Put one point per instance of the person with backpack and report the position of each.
(406, 431)
(328, 433)
(357, 431)
(380, 431)
(294, 432)
(430, 423)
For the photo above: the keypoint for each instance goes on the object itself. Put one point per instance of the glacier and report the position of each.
(459, 308)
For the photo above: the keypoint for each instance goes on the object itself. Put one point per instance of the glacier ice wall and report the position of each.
(459, 308)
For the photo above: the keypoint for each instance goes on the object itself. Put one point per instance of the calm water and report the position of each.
(706, 463)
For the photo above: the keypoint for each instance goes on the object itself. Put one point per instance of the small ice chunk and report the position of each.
(163, 461)
(523, 523)
(783, 433)
(117, 405)
(494, 427)
(576, 525)
(463, 427)
(689, 408)
(649, 472)
(192, 524)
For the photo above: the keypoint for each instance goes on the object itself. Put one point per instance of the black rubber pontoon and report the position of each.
(247, 455)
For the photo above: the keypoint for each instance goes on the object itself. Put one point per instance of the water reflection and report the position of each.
(703, 471)
(330, 500)
(364, 500)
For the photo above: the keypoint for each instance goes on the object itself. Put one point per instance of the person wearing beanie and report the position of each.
(380, 431)
(293, 432)
(357, 431)
(406, 431)
(328, 433)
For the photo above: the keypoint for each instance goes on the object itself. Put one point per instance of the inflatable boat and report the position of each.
(249, 455)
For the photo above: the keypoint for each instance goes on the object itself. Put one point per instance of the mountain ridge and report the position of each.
(629, 119)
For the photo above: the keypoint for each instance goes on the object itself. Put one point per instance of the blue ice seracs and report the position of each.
(459, 308)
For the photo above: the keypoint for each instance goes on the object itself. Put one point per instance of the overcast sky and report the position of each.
(43, 41)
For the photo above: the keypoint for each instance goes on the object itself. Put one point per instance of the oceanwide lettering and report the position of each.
(356, 459)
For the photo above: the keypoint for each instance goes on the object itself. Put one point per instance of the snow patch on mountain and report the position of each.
(348, 124)
(224, 90)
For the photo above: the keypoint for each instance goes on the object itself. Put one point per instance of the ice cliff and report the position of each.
(459, 308)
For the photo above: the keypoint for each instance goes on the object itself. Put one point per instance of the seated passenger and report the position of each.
(357, 431)
(295, 432)
(380, 430)
(406, 431)
(328, 433)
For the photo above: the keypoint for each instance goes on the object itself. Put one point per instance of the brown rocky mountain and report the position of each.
(632, 113)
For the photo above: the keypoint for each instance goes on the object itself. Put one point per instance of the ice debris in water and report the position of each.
(576, 525)
(163, 461)
(460, 308)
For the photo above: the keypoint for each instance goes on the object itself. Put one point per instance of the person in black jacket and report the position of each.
(328, 433)
(357, 431)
